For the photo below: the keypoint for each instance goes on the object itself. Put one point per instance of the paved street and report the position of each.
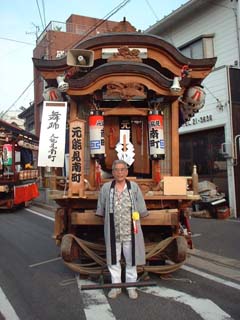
(216, 236)
(35, 284)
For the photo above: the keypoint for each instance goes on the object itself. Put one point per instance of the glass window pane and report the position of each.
(186, 52)
(197, 50)
(208, 47)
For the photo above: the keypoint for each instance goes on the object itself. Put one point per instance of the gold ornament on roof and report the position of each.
(124, 53)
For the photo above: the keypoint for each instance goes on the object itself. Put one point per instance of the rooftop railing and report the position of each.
(72, 28)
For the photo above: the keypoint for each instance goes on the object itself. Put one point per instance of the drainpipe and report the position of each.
(231, 185)
(236, 12)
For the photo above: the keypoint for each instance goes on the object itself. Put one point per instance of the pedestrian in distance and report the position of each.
(121, 203)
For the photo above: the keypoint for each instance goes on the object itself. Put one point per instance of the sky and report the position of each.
(22, 20)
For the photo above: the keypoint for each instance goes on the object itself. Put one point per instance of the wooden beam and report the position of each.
(175, 139)
(119, 111)
(166, 217)
(73, 110)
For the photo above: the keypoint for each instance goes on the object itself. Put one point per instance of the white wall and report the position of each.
(217, 18)
(215, 86)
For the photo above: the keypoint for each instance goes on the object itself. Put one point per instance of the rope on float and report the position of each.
(99, 266)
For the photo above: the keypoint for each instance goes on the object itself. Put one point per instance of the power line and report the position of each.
(104, 19)
(211, 93)
(39, 11)
(12, 105)
(153, 11)
(44, 13)
(32, 44)
(13, 40)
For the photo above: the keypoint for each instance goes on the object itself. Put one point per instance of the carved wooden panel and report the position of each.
(124, 53)
(124, 91)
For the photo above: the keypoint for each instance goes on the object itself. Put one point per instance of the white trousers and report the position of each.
(115, 270)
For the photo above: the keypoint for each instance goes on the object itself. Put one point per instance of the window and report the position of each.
(198, 48)
(203, 148)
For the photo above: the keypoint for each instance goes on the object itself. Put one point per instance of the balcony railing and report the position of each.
(73, 28)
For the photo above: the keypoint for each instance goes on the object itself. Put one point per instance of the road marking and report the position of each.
(6, 309)
(44, 262)
(211, 277)
(184, 267)
(40, 214)
(207, 309)
(95, 303)
(195, 235)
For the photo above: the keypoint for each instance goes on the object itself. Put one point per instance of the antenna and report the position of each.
(37, 29)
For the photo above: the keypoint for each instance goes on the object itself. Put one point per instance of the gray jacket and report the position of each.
(104, 209)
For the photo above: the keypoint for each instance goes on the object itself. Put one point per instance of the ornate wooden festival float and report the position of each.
(125, 95)
(18, 170)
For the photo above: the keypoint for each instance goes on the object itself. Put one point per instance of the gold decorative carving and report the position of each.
(125, 91)
(124, 53)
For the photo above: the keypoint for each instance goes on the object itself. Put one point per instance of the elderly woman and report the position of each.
(121, 203)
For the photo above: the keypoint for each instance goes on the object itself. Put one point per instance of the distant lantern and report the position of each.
(7, 154)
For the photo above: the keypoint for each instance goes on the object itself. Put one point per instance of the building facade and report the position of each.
(28, 116)
(11, 116)
(203, 29)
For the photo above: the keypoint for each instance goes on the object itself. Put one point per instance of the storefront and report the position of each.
(203, 148)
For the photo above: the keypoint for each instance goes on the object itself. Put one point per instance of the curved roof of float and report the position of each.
(130, 39)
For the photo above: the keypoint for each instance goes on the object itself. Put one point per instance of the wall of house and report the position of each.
(85, 24)
(215, 111)
(220, 19)
(69, 34)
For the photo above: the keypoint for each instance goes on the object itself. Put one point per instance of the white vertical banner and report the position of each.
(52, 134)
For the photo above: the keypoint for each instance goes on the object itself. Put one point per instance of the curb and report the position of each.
(214, 258)
(43, 206)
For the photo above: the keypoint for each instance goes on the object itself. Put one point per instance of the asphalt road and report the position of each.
(35, 284)
(36, 292)
(217, 236)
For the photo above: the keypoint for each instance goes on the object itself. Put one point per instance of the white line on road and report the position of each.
(195, 235)
(96, 306)
(6, 309)
(44, 262)
(187, 268)
(40, 214)
(207, 309)
(211, 277)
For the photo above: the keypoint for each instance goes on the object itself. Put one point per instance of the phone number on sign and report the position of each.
(202, 119)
